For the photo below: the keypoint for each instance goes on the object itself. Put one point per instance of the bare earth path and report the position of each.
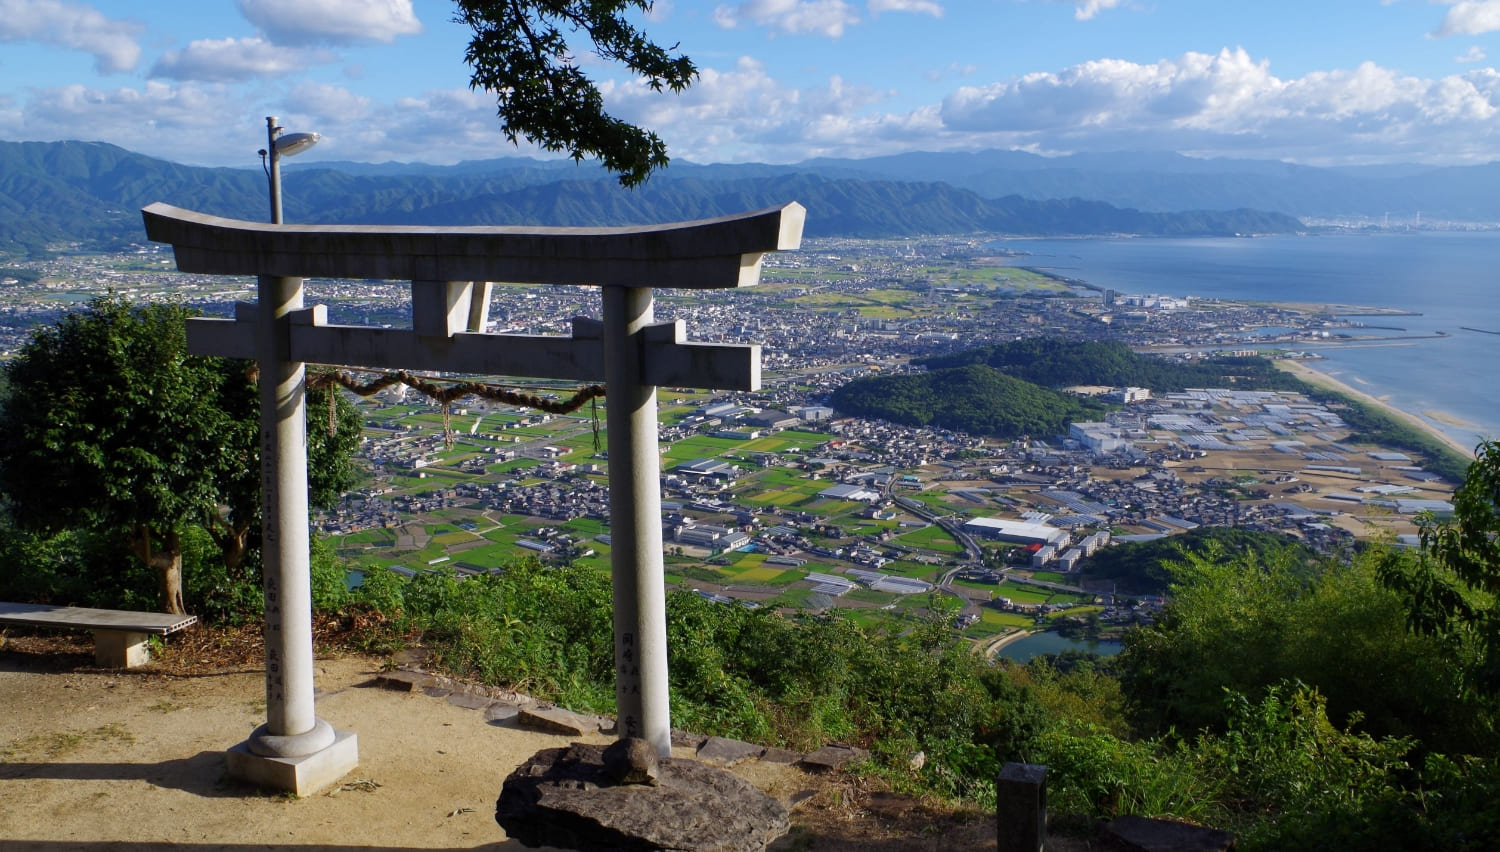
(131, 761)
(100, 760)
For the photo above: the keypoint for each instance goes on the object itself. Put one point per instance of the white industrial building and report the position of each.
(850, 492)
(1020, 532)
(1098, 437)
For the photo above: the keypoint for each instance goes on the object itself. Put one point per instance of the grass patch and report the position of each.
(931, 537)
(763, 574)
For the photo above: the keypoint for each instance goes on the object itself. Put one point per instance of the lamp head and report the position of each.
(295, 143)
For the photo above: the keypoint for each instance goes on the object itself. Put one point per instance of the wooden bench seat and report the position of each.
(119, 635)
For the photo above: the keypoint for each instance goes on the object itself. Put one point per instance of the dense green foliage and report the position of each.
(520, 55)
(1147, 567)
(1306, 715)
(1052, 362)
(1452, 589)
(1247, 621)
(975, 399)
(1056, 363)
(90, 192)
(733, 671)
(109, 425)
(1004, 390)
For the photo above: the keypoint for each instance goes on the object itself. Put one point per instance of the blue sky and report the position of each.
(1323, 82)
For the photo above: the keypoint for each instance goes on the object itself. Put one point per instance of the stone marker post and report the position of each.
(1021, 807)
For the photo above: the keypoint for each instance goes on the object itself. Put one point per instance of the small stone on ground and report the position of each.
(1141, 834)
(555, 720)
(720, 751)
(833, 757)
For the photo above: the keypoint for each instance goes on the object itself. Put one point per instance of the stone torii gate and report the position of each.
(450, 270)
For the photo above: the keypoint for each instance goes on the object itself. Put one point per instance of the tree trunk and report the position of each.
(167, 562)
(232, 537)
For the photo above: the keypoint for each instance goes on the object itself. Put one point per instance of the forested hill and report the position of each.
(91, 193)
(1055, 363)
(1010, 389)
(975, 398)
(1148, 567)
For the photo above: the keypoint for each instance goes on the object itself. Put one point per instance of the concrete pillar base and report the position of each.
(121, 649)
(267, 744)
(301, 776)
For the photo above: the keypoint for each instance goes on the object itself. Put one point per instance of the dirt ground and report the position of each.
(94, 759)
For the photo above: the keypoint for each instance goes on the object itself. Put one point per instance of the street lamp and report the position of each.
(278, 146)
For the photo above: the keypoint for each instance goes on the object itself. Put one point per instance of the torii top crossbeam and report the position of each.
(704, 254)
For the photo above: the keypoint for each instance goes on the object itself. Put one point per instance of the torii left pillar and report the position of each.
(448, 268)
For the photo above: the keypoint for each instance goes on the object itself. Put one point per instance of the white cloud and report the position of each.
(660, 11)
(743, 114)
(1475, 53)
(301, 22)
(194, 124)
(112, 42)
(235, 60)
(1470, 17)
(328, 105)
(821, 17)
(953, 69)
(1210, 104)
(215, 124)
(1089, 8)
(923, 7)
(1229, 104)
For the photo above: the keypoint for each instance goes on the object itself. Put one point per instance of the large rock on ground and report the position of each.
(1142, 834)
(564, 797)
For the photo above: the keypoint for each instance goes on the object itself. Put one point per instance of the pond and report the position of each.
(1050, 642)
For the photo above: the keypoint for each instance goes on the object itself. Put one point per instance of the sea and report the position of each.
(1449, 280)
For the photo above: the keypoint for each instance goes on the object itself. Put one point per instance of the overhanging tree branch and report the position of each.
(519, 53)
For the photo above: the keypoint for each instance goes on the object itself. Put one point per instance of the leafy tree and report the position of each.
(332, 438)
(109, 425)
(1145, 567)
(1247, 622)
(1452, 588)
(519, 53)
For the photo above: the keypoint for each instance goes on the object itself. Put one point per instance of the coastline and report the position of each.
(1312, 375)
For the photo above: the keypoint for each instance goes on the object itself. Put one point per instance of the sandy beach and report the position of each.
(1315, 376)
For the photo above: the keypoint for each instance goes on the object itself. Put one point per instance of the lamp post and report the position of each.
(278, 146)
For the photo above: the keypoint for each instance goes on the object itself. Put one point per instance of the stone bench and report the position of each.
(119, 635)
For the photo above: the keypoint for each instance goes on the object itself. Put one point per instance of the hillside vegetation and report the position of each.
(1149, 567)
(976, 398)
(1054, 363)
(1009, 389)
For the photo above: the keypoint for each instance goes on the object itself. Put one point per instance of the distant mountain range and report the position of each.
(1152, 182)
(91, 193)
